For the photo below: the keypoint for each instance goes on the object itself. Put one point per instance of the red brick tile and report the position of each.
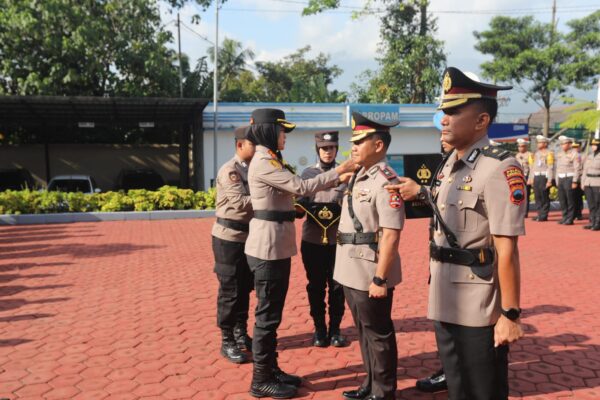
(65, 392)
(152, 376)
(37, 389)
(64, 380)
(149, 389)
(92, 384)
(122, 386)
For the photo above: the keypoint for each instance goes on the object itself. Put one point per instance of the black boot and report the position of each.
(320, 338)
(336, 338)
(243, 341)
(284, 377)
(264, 384)
(229, 348)
(433, 383)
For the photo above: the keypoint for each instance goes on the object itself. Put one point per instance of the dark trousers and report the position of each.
(528, 191)
(542, 196)
(566, 198)
(592, 194)
(235, 284)
(319, 262)
(578, 198)
(373, 320)
(475, 370)
(271, 281)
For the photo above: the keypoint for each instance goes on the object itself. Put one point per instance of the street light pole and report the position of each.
(215, 92)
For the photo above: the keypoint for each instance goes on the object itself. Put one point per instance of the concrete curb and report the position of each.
(65, 218)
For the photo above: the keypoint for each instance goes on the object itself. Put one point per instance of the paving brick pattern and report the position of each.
(126, 310)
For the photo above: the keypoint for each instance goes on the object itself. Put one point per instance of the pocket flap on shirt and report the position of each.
(467, 200)
(463, 274)
(363, 252)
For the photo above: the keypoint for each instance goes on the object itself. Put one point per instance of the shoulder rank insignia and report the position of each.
(473, 156)
(489, 151)
(388, 173)
(276, 164)
(373, 170)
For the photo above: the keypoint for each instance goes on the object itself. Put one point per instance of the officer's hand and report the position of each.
(574, 185)
(507, 331)
(346, 166)
(548, 185)
(377, 292)
(407, 188)
(345, 178)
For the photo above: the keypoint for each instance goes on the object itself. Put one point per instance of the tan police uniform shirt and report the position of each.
(542, 163)
(524, 159)
(311, 231)
(233, 199)
(375, 208)
(592, 166)
(568, 164)
(273, 187)
(477, 198)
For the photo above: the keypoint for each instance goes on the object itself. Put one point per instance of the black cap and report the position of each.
(326, 138)
(363, 126)
(241, 132)
(271, 116)
(459, 88)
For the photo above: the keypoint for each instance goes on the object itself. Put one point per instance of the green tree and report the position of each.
(582, 114)
(539, 60)
(233, 62)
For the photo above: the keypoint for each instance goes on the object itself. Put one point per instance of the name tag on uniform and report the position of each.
(465, 187)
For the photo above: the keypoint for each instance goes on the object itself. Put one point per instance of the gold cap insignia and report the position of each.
(423, 173)
(447, 83)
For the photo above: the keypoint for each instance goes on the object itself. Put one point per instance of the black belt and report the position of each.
(469, 257)
(229, 223)
(275, 216)
(357, 238)
(593, 175)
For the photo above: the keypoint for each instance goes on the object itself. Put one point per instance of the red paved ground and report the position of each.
(126, 310)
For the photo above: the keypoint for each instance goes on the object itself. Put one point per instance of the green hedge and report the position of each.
(165, 198)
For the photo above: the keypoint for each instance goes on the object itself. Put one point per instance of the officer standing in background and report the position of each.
(591, 185)
(541, 174)
(272, 242)
(479, 212)
(367, 260)
(525, 158)
(229, 233)
(318, 245)
(568, 172)
(578, 191)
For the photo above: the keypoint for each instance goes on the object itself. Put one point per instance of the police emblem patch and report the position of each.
(516, 184)
(234, 177)
(395, 200)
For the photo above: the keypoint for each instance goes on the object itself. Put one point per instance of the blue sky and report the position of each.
(275, 28)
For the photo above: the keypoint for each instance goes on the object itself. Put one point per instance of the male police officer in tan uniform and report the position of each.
(367, 261)
(591, 185)
(272, 242)
(318, 245)
(229, 233)
(541, 174)
(568, 172)
(479, 207)
(524, 157)
(578, 191)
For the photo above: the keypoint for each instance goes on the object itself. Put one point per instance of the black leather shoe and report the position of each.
(338, 340)
(433, 383)
(535, 218)
(561, 222)
(320, 339)
(595, 228)
(359, 394)
(272, 388)
(568, 223)
(232, 353)
(587, 227)
(542, 219)
(286, 378)
(243, 341)
(373, 397)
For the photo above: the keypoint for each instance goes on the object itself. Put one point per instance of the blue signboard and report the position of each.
(378, 112)
(508, 132)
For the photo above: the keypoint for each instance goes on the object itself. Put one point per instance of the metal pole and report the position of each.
(179, 56)
(215, 92)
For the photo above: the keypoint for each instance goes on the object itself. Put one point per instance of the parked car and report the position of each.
(139, 178)
(16, 179)
(74, 183)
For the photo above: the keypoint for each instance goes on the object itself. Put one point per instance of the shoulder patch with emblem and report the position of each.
(234, 177)
(388, 173)
(276, 164)
(516, 184)
(395, 200)
(496, 153)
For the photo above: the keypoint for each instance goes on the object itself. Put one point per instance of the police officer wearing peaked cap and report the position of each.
(367, 261)
(479, 209)
(318, 245)
(541, 174)
(525, 158)
(229, 233)
(591, 185)
(271, 242)
(568, 174)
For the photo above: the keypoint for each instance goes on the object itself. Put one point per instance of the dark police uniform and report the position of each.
(591, 184)
(229, 233)
(269, 247)
(541, 172)
(480, 195)
(568, 171)
(367, 209)
(318, 249)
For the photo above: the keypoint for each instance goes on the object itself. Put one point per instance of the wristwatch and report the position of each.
(379, 281)
(422, 195)
(512, 313)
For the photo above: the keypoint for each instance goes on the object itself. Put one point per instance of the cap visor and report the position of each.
(288, 126)
(325, 144)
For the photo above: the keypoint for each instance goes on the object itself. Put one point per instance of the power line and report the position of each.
(198, 34)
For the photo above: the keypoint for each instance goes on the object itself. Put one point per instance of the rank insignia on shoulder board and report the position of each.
(275, 163)
(388, 173)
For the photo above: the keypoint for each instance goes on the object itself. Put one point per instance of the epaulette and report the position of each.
(388, 173)
(496, 153)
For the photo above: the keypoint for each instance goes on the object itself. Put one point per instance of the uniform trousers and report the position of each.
(542, 196)
(235, 283)
(578, 197)
(319, 262)
(592, 194)
(566, 198)
(528, 192)
(475, 369)
(271, 282)
(373, 320)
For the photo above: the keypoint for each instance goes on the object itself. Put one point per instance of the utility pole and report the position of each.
(179, 56)
(215, 92)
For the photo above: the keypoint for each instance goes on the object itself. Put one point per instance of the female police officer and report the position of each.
(271, 242)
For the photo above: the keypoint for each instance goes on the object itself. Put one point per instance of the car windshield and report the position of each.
(70, 185)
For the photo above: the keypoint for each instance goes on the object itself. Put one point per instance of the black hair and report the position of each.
(489, 106)
(385, 137)
(265, 135)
